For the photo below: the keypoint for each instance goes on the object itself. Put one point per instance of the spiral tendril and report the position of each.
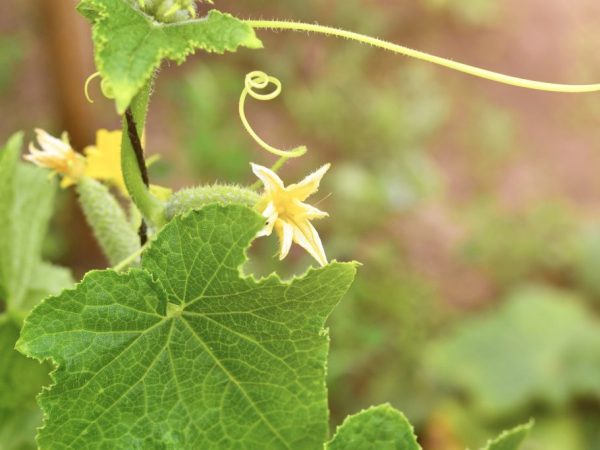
(259, 81)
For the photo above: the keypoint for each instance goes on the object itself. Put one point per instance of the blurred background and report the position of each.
(474, 207)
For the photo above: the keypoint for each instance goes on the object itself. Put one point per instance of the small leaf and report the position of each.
(186, 353)
(510, 439)
(130, 45)
(377, 428)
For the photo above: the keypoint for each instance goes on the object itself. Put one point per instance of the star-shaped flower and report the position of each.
(285, 211)
(57, 155)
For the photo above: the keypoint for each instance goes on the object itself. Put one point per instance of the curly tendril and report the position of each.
(86, 87)
(257, 81)
(104, 87)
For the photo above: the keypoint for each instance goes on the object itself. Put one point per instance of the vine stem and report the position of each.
(132, 160)
(399, 49)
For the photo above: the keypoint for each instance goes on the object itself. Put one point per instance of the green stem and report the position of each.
(399, 49)
(151, 207)
(130, 259)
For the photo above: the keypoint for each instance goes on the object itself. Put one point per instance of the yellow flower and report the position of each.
(104, 159)
(57, 155)
(285, 211)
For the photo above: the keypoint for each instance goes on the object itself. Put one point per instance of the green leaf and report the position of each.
(540, 345)
(377, 428)
(510, 439)
(26, 201)
(130, 45)
(21, 379)
(186, 353)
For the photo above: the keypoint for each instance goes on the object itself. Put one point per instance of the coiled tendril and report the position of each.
(258, 81)
(106, 89)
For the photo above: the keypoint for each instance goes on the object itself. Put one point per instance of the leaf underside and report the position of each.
(130, 45)
(186, 353)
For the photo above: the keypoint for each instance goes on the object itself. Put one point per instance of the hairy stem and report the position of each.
(399, 49)
(136, 143)
(132, 161)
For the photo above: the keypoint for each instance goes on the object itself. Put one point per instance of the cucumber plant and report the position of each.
(174, 346)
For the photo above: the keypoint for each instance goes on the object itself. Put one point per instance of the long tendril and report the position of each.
(399, 49)
(256, 81)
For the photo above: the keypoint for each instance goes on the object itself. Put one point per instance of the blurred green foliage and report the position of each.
(377, 334)
(537, 354)
(214, 145)
(535, 242)
(541, 346)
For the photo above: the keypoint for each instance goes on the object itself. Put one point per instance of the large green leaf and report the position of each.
(186, 352)
(541, 345)
(130, 45)
(377, 428)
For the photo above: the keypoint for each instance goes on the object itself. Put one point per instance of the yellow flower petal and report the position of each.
(285, 231)
(288, 215)
(104, 159)
(66, 182)
(309, 211)
(309, 185)
(307, 237)
(268, 177)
